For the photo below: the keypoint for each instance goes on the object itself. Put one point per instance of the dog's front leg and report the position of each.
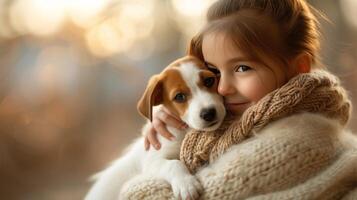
(183, 184)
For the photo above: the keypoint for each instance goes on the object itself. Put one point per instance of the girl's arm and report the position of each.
(161, 118)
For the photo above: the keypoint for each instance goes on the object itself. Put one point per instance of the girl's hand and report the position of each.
(160, 118)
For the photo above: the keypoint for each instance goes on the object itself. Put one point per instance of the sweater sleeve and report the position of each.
(281, 156)
(337, 181)
(146, 188)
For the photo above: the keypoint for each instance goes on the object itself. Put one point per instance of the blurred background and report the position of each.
(71, 72)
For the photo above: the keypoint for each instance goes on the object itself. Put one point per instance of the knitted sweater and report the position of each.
(303, 156)
(292, 144)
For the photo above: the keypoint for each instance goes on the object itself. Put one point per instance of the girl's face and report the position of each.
(242, 81)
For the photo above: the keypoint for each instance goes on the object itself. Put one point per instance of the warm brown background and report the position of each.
(71, 72)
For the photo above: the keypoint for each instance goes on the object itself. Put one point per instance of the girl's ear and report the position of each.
(302, 63)
(151, 97)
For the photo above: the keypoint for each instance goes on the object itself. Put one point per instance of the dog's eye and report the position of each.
(180, 97)
(208, 82)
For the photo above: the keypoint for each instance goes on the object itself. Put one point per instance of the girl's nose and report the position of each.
(225, 86)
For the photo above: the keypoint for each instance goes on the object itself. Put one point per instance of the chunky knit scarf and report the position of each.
(317, 92)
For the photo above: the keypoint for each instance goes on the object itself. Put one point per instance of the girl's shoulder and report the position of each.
(309, 126)
(302, 126)
(305, 123)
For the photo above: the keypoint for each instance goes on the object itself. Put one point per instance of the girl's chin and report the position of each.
(237, 109)
(235, 112)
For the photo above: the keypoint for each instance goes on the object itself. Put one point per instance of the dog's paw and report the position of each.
(186, 188)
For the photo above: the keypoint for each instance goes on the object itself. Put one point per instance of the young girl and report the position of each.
(284, 137)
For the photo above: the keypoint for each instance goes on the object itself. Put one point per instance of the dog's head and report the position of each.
(189, 90)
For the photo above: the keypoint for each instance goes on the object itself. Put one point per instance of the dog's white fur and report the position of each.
(163, 164)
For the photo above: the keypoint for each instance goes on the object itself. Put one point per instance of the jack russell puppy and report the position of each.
(189, 90)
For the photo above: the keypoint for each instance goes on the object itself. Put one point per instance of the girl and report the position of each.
(285, 136)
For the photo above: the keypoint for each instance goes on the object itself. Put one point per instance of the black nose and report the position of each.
(208, 114)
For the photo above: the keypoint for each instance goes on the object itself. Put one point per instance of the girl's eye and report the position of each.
(208, 82)
(180, 97)
(242, 68)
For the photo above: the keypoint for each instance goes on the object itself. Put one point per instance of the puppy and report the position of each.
(189, 91)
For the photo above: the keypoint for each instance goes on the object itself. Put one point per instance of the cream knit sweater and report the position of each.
(303, 156)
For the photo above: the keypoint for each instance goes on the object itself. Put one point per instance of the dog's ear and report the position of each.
(151, 97)
(190, 50)
(194, 47)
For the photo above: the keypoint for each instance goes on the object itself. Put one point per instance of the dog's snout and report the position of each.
(208, 114)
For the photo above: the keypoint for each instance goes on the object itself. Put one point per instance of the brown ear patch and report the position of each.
(174, 83)
(153, 95)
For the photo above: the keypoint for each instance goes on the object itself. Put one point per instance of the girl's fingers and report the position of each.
(152, 139)
(160, 127)
(171, 120)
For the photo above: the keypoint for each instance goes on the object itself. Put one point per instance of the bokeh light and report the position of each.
(131, 23)
(191, 15)
(5, 29)
(38, 17)
(85, 13)
(349, 11)
(56, 70)
(103, 40)
(191, 8)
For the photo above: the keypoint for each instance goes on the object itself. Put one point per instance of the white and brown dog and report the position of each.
(189, 91)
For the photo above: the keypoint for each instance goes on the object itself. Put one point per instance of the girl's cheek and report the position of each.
(254, 89)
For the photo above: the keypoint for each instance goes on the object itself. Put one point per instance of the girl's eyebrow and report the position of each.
(237, 59)
(232, 60)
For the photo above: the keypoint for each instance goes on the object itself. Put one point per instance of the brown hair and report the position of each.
(278, 30)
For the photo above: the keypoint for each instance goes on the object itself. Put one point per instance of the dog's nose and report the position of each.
(208, 114)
